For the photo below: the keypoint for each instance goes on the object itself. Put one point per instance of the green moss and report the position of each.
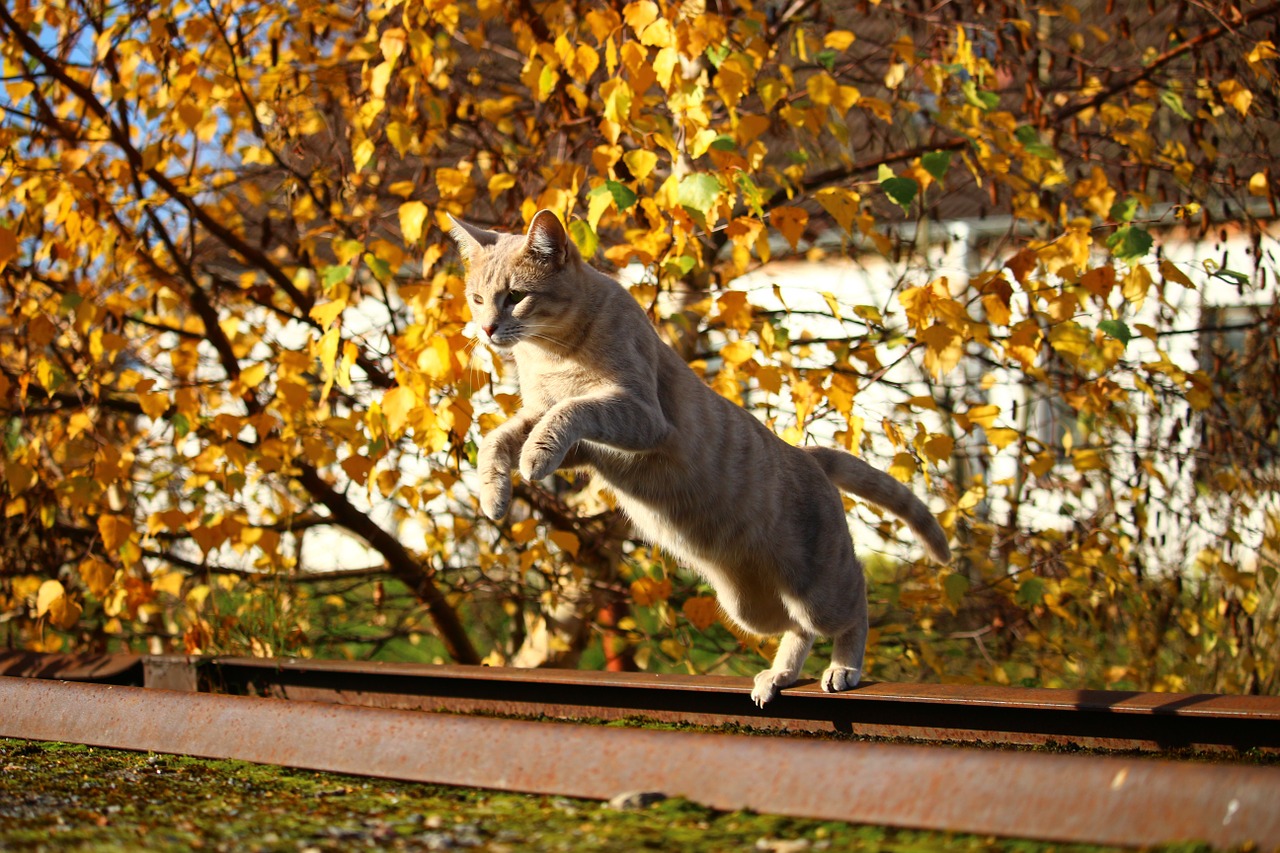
(69, 797)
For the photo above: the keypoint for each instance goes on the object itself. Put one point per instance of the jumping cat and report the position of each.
(697, 475)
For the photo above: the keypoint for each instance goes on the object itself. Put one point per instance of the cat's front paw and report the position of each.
(767, 686)
(495, 498)
(538, 460)
(836, 679)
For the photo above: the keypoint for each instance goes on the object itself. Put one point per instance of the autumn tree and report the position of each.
(241, 403)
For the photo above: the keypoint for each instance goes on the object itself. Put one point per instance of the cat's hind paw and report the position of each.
(836, 679)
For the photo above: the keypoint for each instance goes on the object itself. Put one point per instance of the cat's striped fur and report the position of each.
(698, 476)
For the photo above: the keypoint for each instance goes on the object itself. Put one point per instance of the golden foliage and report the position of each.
(234, 349)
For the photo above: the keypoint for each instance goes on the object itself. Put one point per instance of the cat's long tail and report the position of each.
(852, 475)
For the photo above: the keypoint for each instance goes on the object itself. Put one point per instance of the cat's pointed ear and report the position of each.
(469, 237)
(547, 240)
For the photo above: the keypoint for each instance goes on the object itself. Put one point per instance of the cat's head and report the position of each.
(521, 288)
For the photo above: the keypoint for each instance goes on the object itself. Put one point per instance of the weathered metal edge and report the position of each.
(968, 713)
(1122, 801)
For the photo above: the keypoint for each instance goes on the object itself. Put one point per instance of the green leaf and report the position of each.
(901, 190)
(1124, 210)
(181, 426)
(716, 54)
(380, 268)
(752, 196)
(1129, 243)
(827, 59)
(1237, 278)
(936, 163)
(698, 193)
(983, 100)
(724, 142)
(623, 196)
(334, 274)
(1030, 592)
(1030, 139)
(1173, 101)
(584, 237)
(682, 265)
(956, 586)
(1117, 329)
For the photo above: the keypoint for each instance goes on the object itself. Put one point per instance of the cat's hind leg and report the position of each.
(793, 648)
(847, 654)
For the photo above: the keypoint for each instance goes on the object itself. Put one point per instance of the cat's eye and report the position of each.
(477, 299)
(515, 297)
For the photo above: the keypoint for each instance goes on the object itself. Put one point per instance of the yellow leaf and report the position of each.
(115, 531)
(396, 405)
(379, 79)
(1258, 184)
(791, 222)
(1070, 338)
(640, 14)
(640, 163)
(154, 405)
(252, 376)
(523, 531)
(1001, 437)
(98, 576)
(938, 448)
(413, 214)
(842, 204)
(1236, 95)
(401, 137)
(702, 611)
(19, 476)
(1085, 459)
(326, 312)
(357, 467)
(168, 582)
(658, 34)
(822, 88)
(838, 40)
(1171, 272)
(8, 246)
(392, 44)
(647, 590)
(436, 359)
(362, 153)
(903, 467)
(500, 183)
(566, 540)
(737, 352)
(49, 592)
(983, 416)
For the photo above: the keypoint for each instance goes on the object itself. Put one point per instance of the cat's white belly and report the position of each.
(753, 605)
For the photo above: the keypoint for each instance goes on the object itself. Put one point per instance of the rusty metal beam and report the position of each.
(972, 713)
(99, 669)
(1124, 801)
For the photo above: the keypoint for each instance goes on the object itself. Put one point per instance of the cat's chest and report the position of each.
(543, 385)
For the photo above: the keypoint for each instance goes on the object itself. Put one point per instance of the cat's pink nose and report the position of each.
(489, 329)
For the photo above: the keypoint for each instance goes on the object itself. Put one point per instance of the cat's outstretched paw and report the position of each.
(768, 684)
(838, 678)
(495, 498)
(537, 462)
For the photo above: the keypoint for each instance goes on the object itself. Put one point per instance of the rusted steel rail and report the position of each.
(962, 713)
(995, 715)
(1109, 800)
